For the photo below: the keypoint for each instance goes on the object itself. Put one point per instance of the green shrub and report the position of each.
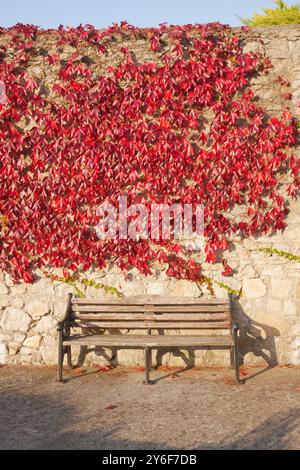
(282, 14)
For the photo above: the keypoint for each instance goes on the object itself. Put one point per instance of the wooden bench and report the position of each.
(153, 314)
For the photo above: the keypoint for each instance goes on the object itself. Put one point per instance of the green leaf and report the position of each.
(282, 14)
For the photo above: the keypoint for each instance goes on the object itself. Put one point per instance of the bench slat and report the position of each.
(141, 341)
(154, 324)
(150, 308)
(114, 316)
(110, 308)
(156, 317)
(144, 300)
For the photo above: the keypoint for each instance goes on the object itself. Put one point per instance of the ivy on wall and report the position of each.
(78, 282)
(184, 128)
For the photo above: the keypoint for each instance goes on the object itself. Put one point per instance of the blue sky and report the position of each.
(102, 13)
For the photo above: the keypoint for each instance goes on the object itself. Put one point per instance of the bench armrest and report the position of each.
(60, 325)
(234, 327)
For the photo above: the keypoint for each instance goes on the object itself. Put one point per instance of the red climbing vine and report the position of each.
(183, 127)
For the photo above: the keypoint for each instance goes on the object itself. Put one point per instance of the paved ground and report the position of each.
(192, 409)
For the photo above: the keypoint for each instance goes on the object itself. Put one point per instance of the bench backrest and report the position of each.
(151, 312)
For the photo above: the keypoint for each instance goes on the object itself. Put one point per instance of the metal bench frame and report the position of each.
(148, 313)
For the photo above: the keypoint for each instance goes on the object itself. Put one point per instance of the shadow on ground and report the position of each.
(34, 421)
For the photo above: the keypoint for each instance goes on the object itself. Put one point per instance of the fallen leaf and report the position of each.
(243, 372)
(104, 368)
(111, 407)
(167, 368)
(229, 381)
(285, 366)
(163, 368)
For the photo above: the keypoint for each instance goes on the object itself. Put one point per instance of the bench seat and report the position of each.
(154, 341)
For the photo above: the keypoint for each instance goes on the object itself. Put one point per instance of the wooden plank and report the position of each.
(115, 316)
(149, 308)
(147, 316)
(122, 325)
(189, 308)
(154, 341)
(109, 308)
(191, 317)
(142, 300)
(154, 324)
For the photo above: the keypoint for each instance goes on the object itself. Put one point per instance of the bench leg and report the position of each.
(232, 364)
(69, 357)
(236, 358)
(147, 364)
(60, 357)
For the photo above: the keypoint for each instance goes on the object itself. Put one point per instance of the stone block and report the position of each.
(60, 308)
(17, 301)
(19, 337)
(37, 308)
(48, 350)
(3, 353)
(25, 350)
(63, 289)
(46, 325)
(281, 288)
(157, 288)
(184, 288)
(15, 319)
(275, 306)
(272, 325)
(18, 289)
(43, 286)
(290, 308)
(3, 289)
(33, 341)
(4, 300)
(133, 288)
(14, 347)
(5, 336)
(254, 288)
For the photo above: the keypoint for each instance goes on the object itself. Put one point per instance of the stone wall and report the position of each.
(269, 309)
